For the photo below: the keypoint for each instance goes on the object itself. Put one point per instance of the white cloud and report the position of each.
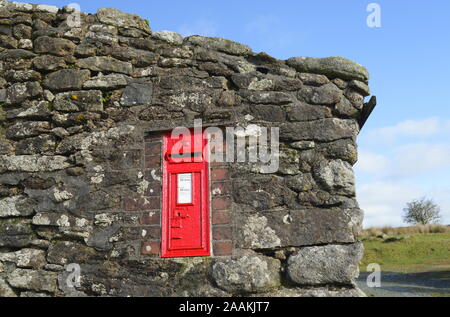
(405, 162)
(413, 159)
(410, 128)
(383, 202)
(372, 163)
(201, 27)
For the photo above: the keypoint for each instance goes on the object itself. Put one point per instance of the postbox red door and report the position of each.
(186, 228)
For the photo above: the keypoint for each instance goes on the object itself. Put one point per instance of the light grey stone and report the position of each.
(111, 81)
(258, 235)
(328, 94)
(332, 264)
(248, 274)
(17, 206)
(25, 258)
(37, 110)
(219, 44)
(105, 64)
(121, 19)
(313, 79)
(76, 101)
(361, 87)
(346, 108)
(32, 163)
(33, 280)
(337, 176)
(169, 37)
(27, 129)
(330, 67)
(20, 92)
(313, 226)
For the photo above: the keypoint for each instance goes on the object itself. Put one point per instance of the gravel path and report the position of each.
(408, 285)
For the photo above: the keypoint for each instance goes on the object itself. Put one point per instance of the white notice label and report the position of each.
(184, 188)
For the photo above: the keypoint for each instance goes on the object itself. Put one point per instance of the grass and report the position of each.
(408, 250)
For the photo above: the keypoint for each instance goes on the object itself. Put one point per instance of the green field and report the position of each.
(410, 253)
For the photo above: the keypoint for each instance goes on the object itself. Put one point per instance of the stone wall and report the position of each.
(82, 112)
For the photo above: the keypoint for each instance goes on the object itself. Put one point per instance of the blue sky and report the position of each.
(405, 148)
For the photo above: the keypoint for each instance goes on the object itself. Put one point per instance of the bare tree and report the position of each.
(422, 212)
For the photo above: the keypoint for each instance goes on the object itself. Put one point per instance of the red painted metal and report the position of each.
(185, 212)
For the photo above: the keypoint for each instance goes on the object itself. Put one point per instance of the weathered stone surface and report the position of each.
(16, 54)
(313, 79)
(219, 44)
(22, 31)
(5, 290)
(17, 206)
(25, 258)
(258, 235)
(248, 274)
(20, 92)
(303, 227)
(36, 109)
(301, 182)
(274, 98)
(61, 220)
(42, 144)
(32, 163)
(22, 76)
(337, 176)
(327, 94)
(54, 46)
(169, 37)
(33, 280)
(34, 295)
(111, 81)
(121, 19)
(346, 108)
(76, 101)
(27, 129)
(8, 42)
(344, 149)
(105, 64)
(85, 141)
(303, 112)
(16, 233)
(63, 253)
(331, 67)
(332, 264)
(325, 130)
(316, 292)
(6, 147)
(66, 79)
(80, 162)
(49, 62)
(303, 145)
(137, 95)
(361, 87)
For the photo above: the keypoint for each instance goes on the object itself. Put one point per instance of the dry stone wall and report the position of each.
(82, 112)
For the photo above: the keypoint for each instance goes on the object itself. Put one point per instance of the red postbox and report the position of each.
(185, 212)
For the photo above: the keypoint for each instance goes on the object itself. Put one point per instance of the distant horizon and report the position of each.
(405, 146)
